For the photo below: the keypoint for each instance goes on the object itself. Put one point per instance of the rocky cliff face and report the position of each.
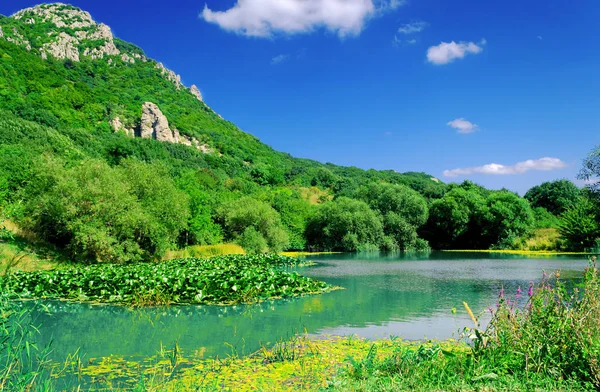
(73, 33)
(154, 125)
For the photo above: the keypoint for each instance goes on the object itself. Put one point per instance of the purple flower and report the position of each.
(530, 291)
(519, 291)
(501, 295)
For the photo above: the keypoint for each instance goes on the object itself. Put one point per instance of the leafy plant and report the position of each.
(219, 280)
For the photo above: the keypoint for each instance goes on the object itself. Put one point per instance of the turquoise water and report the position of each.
(410, 296)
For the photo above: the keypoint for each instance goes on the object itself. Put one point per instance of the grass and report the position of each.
(202, 251)
(303, 254)
(19, 251)
(543, 240)
(517, 252)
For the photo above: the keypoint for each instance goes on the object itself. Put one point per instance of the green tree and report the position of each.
(579, 226)
(344, 225)
(402, 209)
(98, 213)
(201, 229)
(509, 218)
(244, 213)
(591, 170)
(555, 196)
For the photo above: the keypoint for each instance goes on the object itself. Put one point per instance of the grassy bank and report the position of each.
(218, 280)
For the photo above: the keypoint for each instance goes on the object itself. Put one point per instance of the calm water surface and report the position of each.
(410, 296)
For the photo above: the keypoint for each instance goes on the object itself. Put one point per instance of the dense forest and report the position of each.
(74, 182)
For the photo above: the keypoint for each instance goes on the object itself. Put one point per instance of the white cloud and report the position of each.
(446, 52)
(540, 37)
(463, 126)
(542, 164)
(413, 27)
(280, 59)
(263, 18)
(411, 41)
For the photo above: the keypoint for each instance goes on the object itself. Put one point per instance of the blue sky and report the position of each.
(379, 84)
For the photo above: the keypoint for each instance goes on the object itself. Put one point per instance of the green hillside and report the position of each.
(106, 156)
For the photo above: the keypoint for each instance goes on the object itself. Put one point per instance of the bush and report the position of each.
(556, 196)
(98, 213)
(579, 226)
(344, 225)
(252, 241)
(240, 215)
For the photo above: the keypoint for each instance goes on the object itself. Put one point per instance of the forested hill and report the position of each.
(107, 156)
(63, 70)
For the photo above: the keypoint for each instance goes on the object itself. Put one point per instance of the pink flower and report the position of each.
(530, 291)
(519, 291)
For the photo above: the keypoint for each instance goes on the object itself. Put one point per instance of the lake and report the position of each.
(406, 295)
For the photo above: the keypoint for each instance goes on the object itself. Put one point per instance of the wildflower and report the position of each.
(557, 274)
(501, 295)
(519, 291)
(530, 291)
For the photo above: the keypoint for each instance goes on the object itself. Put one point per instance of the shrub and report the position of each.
(98, 213)
(240, 215)
(579, 226)
(344, 225)
(252, 241)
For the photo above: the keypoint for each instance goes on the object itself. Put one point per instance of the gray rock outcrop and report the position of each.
(170, 75)
(154, 125)
(117, 126)
(196, 92)
(65, 47)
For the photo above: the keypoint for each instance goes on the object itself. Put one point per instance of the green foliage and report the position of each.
(544, 219)
(344, 225)
(470, 217)
(551, 343)
(402, 209)
(239, 215)
(23, 365)
(591, 170)
(252, 241)
(222, 279)
(556, 196)
(201, 230)
(98, 213)
(295, 212)
(579, 226)
(556, 335)
(509, 217)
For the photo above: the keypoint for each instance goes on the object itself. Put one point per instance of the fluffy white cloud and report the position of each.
(542, 164)
(263, 18)
(412, 28)
(463, 126)
(280, 59)
(446, 52)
